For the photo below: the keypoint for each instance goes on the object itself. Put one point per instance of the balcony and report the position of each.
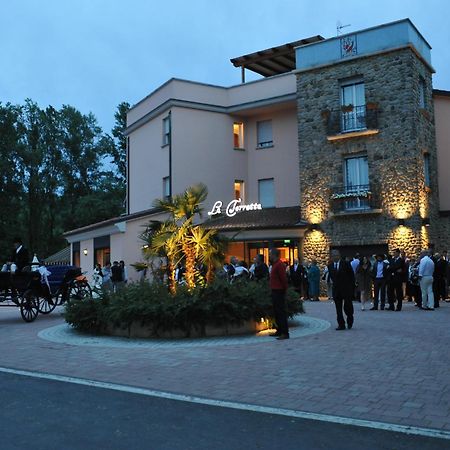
(356, 199)
(351, 121)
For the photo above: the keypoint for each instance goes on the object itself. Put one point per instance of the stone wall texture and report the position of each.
(395, 155)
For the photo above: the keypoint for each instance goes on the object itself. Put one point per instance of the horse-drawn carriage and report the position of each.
(30, 292)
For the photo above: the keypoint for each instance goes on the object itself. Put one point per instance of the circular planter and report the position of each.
(137, 330)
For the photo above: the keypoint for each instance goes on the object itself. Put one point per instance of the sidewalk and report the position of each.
(391, 367)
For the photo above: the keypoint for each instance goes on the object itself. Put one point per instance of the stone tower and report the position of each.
(366, 137)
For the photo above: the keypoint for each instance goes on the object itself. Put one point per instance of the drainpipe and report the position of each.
(170, 155)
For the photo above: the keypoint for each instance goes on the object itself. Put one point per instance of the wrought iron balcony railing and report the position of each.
(352, 118)
(353, 198)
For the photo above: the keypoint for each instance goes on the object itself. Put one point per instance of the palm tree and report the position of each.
(209, 249)
(179, 239)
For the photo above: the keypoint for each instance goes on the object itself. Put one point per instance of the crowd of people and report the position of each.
(111, 277)
(383, 280)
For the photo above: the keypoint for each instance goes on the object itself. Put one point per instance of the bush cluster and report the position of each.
(151, 305)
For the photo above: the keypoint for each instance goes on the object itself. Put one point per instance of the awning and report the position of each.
(264, 219)
(275, 60)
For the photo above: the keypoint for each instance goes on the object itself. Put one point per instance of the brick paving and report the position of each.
(391, 367)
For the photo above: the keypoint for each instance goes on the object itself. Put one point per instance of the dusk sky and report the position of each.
(93, 54)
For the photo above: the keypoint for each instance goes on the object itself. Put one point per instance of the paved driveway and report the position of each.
(391, 367)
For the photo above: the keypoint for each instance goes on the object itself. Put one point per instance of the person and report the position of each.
(440, 270)
(364, 280)
(314, 281)
(413, 282)
(240, 271)
(326, 277)
(260, 271)
(124, 271)
(180, 273)
(395, 283)
(278, 286)
(343, 278)
(97, 276)
(447, 275)
(379, 275)
(426, 269)
(117, 276)
(296, 275)
(107, 283)
(230, 268)
(19, 255)
(405, 275)
(305, 284)
(355, 263)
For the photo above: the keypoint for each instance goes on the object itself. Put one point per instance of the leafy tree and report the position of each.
(119, 151)
(53, 174)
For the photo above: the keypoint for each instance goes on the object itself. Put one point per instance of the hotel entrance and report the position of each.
(247, 250)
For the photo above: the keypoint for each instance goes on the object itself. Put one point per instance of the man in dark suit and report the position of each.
(20, 255)
(395, 283)
(343, 278)
(379, 275)
(296, 276)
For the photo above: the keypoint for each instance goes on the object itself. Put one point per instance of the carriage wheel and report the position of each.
(29, 306)
(80, 290)
(45, 307)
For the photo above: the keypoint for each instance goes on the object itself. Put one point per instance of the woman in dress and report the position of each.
(314, 281)
(364, 280)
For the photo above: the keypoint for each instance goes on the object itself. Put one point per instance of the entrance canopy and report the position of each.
(263, 219)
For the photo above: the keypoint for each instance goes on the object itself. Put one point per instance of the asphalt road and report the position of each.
(42, 414)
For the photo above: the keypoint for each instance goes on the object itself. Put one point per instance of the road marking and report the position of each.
(427, 432)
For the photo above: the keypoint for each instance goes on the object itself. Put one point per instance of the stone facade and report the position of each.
(395, 155)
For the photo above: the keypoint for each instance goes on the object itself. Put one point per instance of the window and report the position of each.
(357, 183)
(239, 192)
(102, 250)
(166, 131)
(426, 169)
(238, 135)
(76, 254)
(353, 107)
(264, 134)
(422, 102)
(266, 192)
(166, 187)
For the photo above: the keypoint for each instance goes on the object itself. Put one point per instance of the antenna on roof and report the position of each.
(339, 27)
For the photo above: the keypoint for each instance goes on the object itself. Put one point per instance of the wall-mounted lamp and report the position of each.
(426, 221)
(314, 226)
(401, 222)
(85, 252)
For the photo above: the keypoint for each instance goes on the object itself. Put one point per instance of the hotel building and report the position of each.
(342, 143)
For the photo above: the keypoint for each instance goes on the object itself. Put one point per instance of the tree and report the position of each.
(11, 187)
(53, 174)
(179, 240)
(119, 151)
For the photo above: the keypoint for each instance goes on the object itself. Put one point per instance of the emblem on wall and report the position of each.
(348, 46)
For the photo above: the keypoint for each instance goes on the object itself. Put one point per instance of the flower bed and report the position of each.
(148, 309)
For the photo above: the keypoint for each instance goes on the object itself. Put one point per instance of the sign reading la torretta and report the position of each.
(233, 208)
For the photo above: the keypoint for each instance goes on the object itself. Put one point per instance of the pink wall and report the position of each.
(202, 148)
(213, 95)
(442, 117)
(149, 163)
(280, 162)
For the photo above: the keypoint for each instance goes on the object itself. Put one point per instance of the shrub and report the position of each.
(150, 304)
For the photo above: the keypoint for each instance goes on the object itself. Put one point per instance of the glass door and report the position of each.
(354, 107)
(356, 183)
